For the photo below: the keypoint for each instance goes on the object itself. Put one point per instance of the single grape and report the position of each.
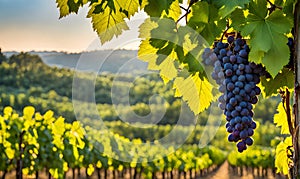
(239, 84)
(232, 59)
(227, 65)
(253, 125)
(243, 134)
(243, 53)
(230, 39)
(231, 138)
(234, 78)
(236, 90)
(249, 141)
(248, 88)
(239, 42)
(223, 52)
(241, 66)
(242, 78)
(238, 119)
(233, 101)
(229, 107)
(236, 48)
(250, 131)
(228, 72)
(230, 86)
(242, 93)
(220, 45)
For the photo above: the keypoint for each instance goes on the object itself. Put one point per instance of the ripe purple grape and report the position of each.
(230, 39)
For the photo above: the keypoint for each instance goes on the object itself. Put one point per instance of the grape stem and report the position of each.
(225, 31)
(286, 105)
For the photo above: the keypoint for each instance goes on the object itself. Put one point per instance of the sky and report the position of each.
(27, 25)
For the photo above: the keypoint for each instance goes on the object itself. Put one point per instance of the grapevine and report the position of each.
(237, 79)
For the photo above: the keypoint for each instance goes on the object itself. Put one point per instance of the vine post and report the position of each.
(296, 135)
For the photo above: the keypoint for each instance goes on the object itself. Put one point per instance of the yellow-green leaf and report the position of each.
(167, 68)
(174, 11)
(148, 54)
(48, 117)
(90, 170)
(28, 112)
(75, 152)
(131, 6)
(195, 91)
(63, 7)
(59, 127)
(146, 27)
(280, 119)
(7, 110)
(108, 23)
(10, 153)
(281, 158)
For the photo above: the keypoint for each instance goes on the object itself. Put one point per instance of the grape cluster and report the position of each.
(237, 79)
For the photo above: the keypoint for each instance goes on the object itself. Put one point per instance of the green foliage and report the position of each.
(164, 40)
(227, 7)
(267, 35)
(37, 139)
(282, 79)
(44, 138)
(253, 157)
(155, 8)
(208, 23)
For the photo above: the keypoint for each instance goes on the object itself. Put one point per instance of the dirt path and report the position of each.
(224, 173)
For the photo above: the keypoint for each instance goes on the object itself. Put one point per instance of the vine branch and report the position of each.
(296, 143)
(187, 11)
(225, 31)
(273, 6)
(285, 96)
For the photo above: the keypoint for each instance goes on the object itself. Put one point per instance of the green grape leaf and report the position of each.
(228, 6)
(195, 91)
(208, 23)
(285, 78)
(238, 19)
(281, 158)
(280, 119)
(288, 7)
(155, 8)
(109, 22)
(268, 40)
